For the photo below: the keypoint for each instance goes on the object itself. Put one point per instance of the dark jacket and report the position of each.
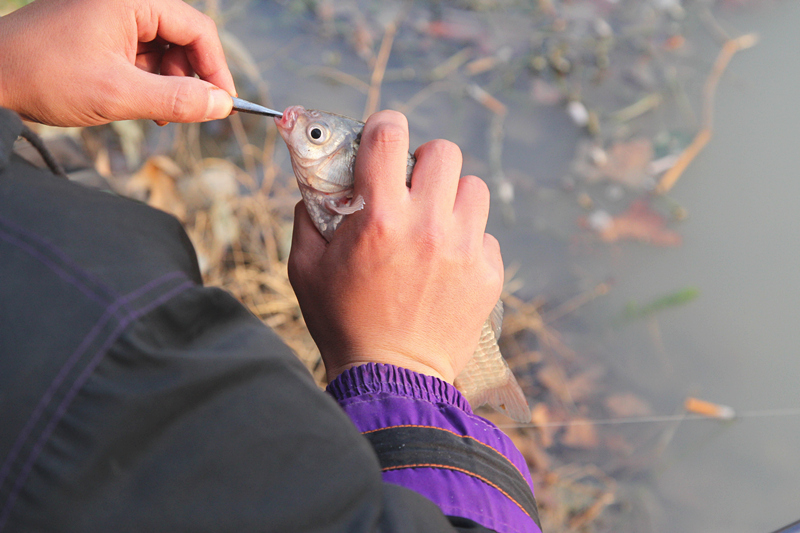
(132, 398)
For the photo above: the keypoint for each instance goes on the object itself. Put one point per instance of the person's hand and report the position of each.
(86, 62)
(410, 279)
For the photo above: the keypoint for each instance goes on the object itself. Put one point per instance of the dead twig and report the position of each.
(423, 94)
(338, 76)
(374, 94)
(575, 303)
(730, 48)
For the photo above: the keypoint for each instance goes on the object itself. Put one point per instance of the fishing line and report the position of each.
(764, 413)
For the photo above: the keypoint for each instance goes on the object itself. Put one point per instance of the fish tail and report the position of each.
(508, 399)
(487, 379)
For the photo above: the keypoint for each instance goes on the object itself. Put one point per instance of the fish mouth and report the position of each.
(289, 119)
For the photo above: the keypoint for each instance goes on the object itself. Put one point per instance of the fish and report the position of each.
(322, 148)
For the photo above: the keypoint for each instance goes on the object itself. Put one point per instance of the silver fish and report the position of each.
(323, 149)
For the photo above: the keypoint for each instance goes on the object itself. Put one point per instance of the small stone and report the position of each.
(600, 220)
(615, 192)
(505, 191)
(578, 113)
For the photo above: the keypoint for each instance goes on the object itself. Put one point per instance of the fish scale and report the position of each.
(323, 148)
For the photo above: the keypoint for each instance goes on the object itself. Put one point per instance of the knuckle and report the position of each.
(380, 227)
(477, 186)
(183, 103)
(495, 259)
(432, 239)
(207, 22)
(389, 134)
(295, 270)
(492, 246)
(440, 149)
(389, 115)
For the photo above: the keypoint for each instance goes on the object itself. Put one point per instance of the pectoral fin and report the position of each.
(356, 204)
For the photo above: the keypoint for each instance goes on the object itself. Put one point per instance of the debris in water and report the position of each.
(638, 223)
(578, 113)
(581, 434)
(626, 405)
(712, 410)
(634, 311)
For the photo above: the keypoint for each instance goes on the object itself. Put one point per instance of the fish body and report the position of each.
(323, 149)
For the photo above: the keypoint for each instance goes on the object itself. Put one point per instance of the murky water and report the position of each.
(738, 343)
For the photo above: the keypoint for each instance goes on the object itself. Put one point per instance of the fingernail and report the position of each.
(219, 104)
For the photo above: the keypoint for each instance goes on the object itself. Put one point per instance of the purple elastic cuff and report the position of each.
(378, 396)
(376, 378)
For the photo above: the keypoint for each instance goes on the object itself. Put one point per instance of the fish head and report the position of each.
(322, 147)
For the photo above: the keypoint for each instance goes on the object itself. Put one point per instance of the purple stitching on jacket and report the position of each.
(79, 382)
(61, 255)
(58, 271)
(110, 311)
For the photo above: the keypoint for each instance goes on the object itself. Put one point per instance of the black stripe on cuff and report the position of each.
(430, 447)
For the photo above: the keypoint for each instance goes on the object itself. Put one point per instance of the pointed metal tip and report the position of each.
(250, 107)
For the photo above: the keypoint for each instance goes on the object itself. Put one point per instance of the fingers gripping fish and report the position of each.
(323, 149)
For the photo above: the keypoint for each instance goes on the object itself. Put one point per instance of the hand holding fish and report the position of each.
(87, 62)
(410, 279)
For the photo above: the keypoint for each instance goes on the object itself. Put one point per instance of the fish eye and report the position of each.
(317, 133)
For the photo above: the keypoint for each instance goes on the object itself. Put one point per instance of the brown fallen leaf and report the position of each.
(638, 223)
(540, 416)
(627, 404)
(580, 434)
(553, 378)
(627, 162)
(453, 31)
(154, 183)
(546, 93)
(618, 444)
(362, 40)
(584, 384)
(535, 456)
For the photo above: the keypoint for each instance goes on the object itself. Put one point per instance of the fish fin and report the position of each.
(496, 318)
(508, 399)
(356, 204)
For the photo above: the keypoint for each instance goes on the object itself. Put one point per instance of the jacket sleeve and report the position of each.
(427, 439)
(135, 399)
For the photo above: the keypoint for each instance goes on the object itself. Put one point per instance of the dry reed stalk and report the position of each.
(374, 95)
(573, 304)
(594, 510)
(525, 316)
(244, 143)
(337, 75)
(423, 94)
(730, 48)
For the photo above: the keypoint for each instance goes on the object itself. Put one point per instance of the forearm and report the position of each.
(428, 440)
(89, 62)
(158, 405)
(6, 61)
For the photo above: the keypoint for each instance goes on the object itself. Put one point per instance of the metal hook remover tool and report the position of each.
(250, 107)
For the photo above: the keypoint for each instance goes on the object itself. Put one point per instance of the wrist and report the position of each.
(389, 380)
(397, 360)
(12, 44)
(4, 46)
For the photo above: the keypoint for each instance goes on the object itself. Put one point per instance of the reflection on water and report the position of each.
(737, 342)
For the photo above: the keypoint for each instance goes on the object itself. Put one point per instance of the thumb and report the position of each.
(171, 98)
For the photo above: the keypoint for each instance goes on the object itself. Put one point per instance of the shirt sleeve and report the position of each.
(134, 399)
(428, 440)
